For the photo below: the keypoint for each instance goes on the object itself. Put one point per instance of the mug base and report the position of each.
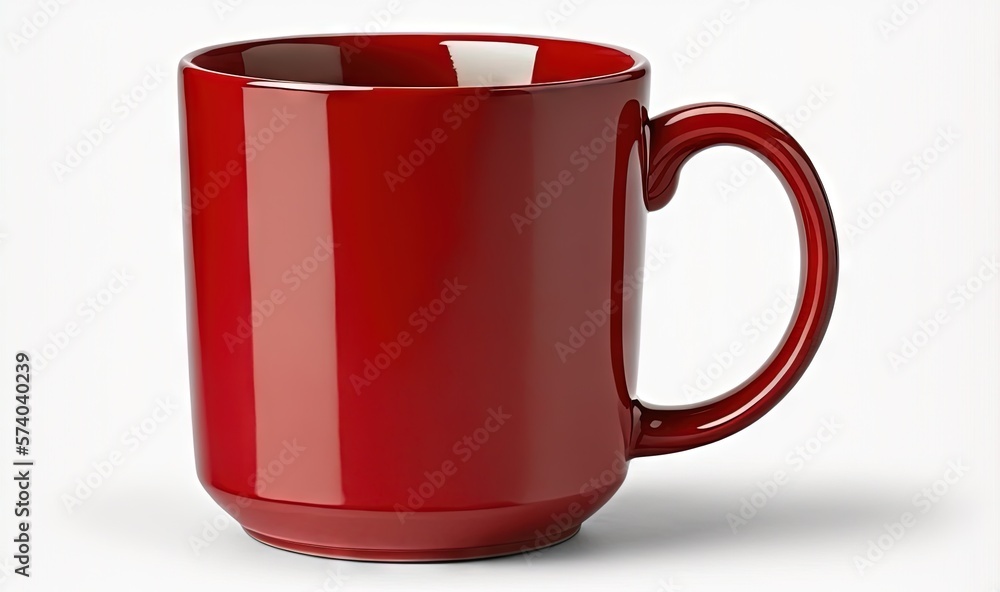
(415, 556)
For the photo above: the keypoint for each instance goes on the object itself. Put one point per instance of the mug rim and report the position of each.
(638, 69)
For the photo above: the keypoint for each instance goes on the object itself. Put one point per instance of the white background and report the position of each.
(887, 93)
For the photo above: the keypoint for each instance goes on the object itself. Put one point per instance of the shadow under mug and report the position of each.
(414, 272)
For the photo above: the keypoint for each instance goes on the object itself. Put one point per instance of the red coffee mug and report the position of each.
(413, 295)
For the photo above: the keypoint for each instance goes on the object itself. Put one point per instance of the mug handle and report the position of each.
(674, 137)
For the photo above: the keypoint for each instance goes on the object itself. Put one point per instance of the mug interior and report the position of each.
(419, 60)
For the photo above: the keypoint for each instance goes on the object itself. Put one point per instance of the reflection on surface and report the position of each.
(483, 63)
(292, 287)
